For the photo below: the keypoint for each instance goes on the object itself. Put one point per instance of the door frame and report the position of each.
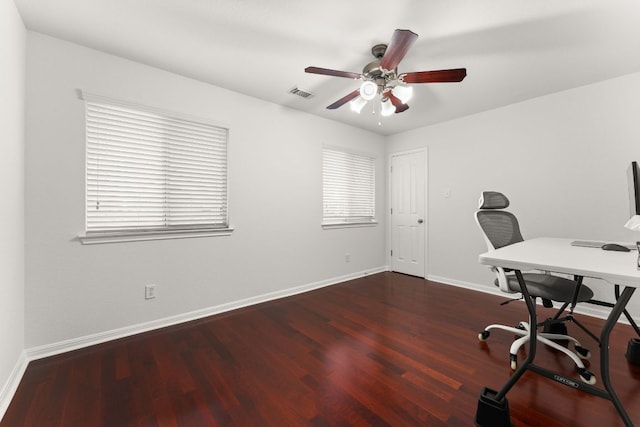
(425, 152)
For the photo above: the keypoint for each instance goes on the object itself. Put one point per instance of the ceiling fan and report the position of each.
(381, 77)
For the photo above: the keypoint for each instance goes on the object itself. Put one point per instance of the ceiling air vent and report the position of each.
(300, 92)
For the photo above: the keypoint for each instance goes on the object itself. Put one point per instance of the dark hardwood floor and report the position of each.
(384, 350)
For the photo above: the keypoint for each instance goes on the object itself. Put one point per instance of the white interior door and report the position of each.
(408, 222)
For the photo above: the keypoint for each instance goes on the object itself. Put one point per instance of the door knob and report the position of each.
(420, 221)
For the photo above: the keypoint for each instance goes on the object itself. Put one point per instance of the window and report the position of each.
(348, 187)
(152, 174)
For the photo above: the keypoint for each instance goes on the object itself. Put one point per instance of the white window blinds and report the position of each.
(348, 187)
(148, 171)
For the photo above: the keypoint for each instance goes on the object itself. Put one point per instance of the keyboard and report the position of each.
(597, 244)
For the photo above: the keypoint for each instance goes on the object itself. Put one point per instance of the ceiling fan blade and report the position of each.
(335, 73)
(400, 107)
(340, 102)
(438, 76)
(401, 41)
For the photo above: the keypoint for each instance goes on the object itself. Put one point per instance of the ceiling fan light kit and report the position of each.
(357, 104)
(387, 108)
(403, 93)
(380, 77)
(368, 90)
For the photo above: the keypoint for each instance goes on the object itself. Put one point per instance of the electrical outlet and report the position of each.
(149, 291)
(347, 257)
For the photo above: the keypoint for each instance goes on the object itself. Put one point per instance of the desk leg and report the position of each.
(614, 315)
(533, 338)
(632, 322)
(493, 407)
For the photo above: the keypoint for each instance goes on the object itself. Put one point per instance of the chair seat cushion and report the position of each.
(550, 287)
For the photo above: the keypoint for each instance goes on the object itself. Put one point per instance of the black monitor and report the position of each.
(633, 179)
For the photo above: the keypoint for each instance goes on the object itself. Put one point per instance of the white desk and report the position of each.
(557, 255)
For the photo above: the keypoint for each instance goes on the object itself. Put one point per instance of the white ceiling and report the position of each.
(513, 50)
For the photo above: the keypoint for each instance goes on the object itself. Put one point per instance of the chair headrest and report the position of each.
(493, 200)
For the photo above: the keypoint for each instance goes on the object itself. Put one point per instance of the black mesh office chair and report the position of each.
(500, 228)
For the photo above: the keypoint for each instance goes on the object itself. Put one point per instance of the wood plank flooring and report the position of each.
(383, 350)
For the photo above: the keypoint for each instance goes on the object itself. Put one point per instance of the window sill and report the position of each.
(137, 236)
(349, 225)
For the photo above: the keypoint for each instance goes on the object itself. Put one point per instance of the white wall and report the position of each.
(275, 203)
(12, 87)
(561, 159)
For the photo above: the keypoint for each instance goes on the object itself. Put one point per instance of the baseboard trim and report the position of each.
(10, 387)
(101, 337)
(492, 290)
(584, 309)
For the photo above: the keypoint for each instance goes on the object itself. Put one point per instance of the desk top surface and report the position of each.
(558, 255)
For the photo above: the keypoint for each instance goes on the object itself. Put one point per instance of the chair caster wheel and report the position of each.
(583, 353)
(482, 336)
(513, 362)
(586, 376)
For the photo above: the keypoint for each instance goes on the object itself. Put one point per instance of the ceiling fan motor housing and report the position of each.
(374, 72)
